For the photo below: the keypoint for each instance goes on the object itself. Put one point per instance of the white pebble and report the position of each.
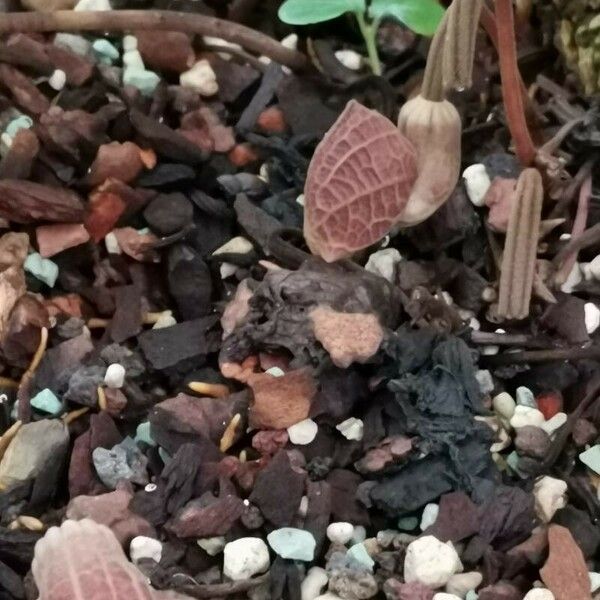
(554, 423)
(340, 532)
(57, 80)
(115, 376)
(275, 372)
(300, 199)
(290, 41)
(303, 506)
(595, 267)
(129, 43)
(359, 534)
(212, 545)
(587, 271)
(477, 182)
(133, 60)
(244, 558)
(475, 325)
(525, 415)
(594, 581)
(303, 433)
(328, 596)
(93, 5)
(445, 596)
(430, 562)
(145, 547)
(151, 487)
(539, 594)
(201, 78)
(314, 582)
(227, 269)
(461, 583)
(166, 319)
(575, 278)
(384, 262)
(485, 380)
(592, 317)
(350, 59)
(236, 245)
(550, 495)
(76, 43)
(351, 429)
(112, 244)
(564, 237)
(504, 405)
(430, 514)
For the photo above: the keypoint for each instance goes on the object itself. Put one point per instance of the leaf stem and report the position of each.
(369, 32)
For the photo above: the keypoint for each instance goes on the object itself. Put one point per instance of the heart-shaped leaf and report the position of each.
(305, 12)
(357, 184)
(422, 16)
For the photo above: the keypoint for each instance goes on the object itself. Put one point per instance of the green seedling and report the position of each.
(422, 16)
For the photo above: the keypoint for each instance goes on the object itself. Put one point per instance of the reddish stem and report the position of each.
(511, 83)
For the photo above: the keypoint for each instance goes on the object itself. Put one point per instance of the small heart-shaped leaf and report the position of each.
(357, 184)
(305, 12)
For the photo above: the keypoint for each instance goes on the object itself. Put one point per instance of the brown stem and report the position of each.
(433, 82)
(511, 83)
(590, 237)
(583, 207)
(130, 20)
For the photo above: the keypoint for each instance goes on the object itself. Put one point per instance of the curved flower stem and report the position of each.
(165, 20)
(511, 83)
(369, 33)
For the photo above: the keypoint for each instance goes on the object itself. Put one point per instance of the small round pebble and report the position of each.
(555, 423)
(129, 43)
(384, 263)
(429, 516)
(314, 582)
(430, 562)
(525, 415)
(145, 547)
(359, 554)
(350, 59)
(594, 581)
(213, 545)
(340, 532)
(504, 405)
(303, 433)
(244, 558)
(485, 381)
(461, 583)
(201, 78)
(550, 495)
(539, 594)
(525, 397)
(532, 441)
(292, 543)
(445, 596)
(236, 245)
(115, 376)
(351, 429)
(290, 41)
(477, 183)
(592, 317)
(359, 534)
(57, 80)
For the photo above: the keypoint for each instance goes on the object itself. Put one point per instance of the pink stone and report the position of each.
(53, 239)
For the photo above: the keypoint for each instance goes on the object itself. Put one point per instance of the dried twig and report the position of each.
(583, 207)
(541, 356)
(23, 395)
(130, 20)
(590, 237)
(520, 250)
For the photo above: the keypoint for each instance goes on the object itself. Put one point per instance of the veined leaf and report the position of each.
(422, 16)
(305, 12)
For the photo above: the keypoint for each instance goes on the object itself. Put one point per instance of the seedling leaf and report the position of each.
(305, 12)
(422, 16)
(358, 183)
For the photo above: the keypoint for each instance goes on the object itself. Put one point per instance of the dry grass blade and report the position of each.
(519, 258)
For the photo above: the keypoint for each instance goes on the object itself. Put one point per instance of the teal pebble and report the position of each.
(591, 458)
(105, 51)
(359, 553)
(408, 523)
(525, 397)
(41, 268)
(292, 543)
(22, 122)
(145, 81)
(47, 402)
(142, 434)
(472, 595)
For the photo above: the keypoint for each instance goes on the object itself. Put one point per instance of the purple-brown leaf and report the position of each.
(27, 202)
(358, 183)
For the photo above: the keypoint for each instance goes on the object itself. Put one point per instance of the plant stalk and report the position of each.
(369, 33)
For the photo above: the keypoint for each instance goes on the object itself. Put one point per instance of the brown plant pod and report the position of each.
(358, 183)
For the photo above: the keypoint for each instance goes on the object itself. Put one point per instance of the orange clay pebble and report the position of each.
(271, 120)
(242, 155)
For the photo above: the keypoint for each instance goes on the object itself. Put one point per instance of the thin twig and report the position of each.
(488, 338)
(23, 395)
(583, 207)
(570, 190)
(511, 83)
(164, 20)
(541, 356)
(590, 237)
